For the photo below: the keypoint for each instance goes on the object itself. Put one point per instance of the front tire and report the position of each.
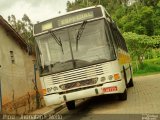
(71, 105)
(130, 84)
(123, 96)
(125, 76)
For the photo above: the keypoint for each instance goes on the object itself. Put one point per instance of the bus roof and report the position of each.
(69, 18)
(73, 11)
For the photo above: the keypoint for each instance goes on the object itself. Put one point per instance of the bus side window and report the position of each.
(124, 44)
(115, 37)
(109, 36)
(122, 41)
(119, 40)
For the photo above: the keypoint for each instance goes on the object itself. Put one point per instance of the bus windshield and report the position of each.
(60, 51)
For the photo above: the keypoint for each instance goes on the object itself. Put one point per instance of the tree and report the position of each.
(110, 5)
(139, 44)
(138, 20)
(156, 18)
(24, 27)
(148, 2)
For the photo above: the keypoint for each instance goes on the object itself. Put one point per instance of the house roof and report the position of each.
(17, 37)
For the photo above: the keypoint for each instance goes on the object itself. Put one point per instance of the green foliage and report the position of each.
(148, 67)
(156, 19)
(149, 2)
(24, 27)
(140, 45)
(110, 5)
(139, 21)
(137, 44)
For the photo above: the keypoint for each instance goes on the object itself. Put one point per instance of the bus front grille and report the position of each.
(84, 73)
(78, 84)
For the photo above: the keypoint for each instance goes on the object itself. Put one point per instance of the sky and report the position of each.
(36, 10)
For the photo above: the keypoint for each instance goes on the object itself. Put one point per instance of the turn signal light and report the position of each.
(44, 91)
(116, 76)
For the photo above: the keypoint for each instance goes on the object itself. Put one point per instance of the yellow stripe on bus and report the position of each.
(123, 59)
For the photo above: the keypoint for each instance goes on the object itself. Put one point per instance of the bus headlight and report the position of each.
(110, 77)
(103, 79)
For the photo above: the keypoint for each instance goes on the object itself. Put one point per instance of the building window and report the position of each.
(12, 57)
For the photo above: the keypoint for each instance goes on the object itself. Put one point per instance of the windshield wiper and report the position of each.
(58, 40)
(80, 31)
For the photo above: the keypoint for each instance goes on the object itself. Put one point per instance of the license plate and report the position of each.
(109, 89)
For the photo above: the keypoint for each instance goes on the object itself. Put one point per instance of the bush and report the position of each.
(148, 67)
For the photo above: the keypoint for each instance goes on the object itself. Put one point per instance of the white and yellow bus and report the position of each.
(82, 54)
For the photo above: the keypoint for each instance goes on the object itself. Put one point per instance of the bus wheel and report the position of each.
(123, 96)
(130, 84)
(125, 76)
(70, 105)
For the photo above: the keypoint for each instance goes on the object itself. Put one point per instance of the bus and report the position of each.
(82, 54)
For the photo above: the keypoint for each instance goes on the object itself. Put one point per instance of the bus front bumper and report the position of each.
(107, 88)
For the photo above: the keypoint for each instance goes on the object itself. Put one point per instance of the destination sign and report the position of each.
(47, 26)
(67, 19)
(76, 18)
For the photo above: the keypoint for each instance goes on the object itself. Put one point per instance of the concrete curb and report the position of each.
(59, 108)
(56, 109)
(51, 112)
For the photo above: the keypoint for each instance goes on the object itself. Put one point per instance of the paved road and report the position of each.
(143, 102)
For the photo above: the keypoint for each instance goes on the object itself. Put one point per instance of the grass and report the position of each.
(151, 66)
